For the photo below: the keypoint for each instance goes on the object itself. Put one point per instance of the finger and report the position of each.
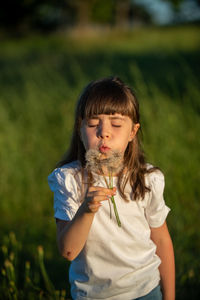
(103, 189)
(101, 192)
(97, 199)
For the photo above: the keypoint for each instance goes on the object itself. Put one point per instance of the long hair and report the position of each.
(110, 96)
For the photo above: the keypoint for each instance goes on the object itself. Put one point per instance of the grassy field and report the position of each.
(40, 80)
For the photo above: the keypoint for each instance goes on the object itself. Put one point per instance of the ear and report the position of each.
(134, 131)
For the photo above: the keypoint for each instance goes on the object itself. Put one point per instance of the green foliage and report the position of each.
(26, 283)
(102, 11)
(50, 15)
(40, 81)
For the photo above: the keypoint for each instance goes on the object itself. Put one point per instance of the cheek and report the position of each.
(127, 139)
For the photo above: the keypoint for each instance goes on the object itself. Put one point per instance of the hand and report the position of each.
(95, 195)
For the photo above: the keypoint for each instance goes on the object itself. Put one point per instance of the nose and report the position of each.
(103, 131)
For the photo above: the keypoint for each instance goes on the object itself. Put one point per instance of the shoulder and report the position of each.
(156, 210)
(71, 168)
(154, 176)
(70, 171)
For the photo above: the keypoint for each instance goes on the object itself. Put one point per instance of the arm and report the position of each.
(162, 239)
(72, 235)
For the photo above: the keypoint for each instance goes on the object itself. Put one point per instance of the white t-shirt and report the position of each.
(116, 263)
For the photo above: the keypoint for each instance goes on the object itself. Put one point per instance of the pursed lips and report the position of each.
(104, 148)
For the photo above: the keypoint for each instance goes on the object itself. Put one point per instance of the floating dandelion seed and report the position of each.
(100, 163)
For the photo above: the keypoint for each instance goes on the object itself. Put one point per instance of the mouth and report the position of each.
(104, 149)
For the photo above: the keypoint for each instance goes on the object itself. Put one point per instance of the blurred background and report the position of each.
(49, 50)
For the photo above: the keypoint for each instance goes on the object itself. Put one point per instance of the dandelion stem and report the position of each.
(110, 186)
(108, 199)
(116, 212)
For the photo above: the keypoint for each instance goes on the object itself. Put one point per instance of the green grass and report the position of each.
(23, 281)
(40, 80)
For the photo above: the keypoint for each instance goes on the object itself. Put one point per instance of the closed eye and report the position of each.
(114, 125)
(95, 125)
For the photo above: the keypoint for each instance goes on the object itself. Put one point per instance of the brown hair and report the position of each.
(110, 96)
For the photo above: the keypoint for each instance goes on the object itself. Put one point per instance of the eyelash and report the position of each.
(98, 124)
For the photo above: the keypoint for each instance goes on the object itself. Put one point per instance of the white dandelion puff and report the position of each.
(111, 163)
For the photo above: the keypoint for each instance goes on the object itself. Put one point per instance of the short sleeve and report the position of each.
(156, 209)
(66, 200)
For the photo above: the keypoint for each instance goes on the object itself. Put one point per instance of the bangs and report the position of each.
(107, 99)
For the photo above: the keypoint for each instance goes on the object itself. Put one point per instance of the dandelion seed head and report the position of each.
(93, 160)
(96, 161)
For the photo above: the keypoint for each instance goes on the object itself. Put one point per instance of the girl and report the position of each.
(129, 257)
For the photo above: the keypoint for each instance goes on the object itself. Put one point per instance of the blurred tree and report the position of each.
(139, 15)
(123, 9)
(102, 11)
(110, 12)
(129, 13)
(176, 3)
(21, 16)
(82, 12)
(50, 15)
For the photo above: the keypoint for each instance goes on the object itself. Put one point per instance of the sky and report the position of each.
(163, 14)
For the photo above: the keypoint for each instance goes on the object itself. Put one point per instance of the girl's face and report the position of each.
(108, 132)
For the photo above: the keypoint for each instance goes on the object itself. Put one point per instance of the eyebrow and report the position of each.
(111, 118)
